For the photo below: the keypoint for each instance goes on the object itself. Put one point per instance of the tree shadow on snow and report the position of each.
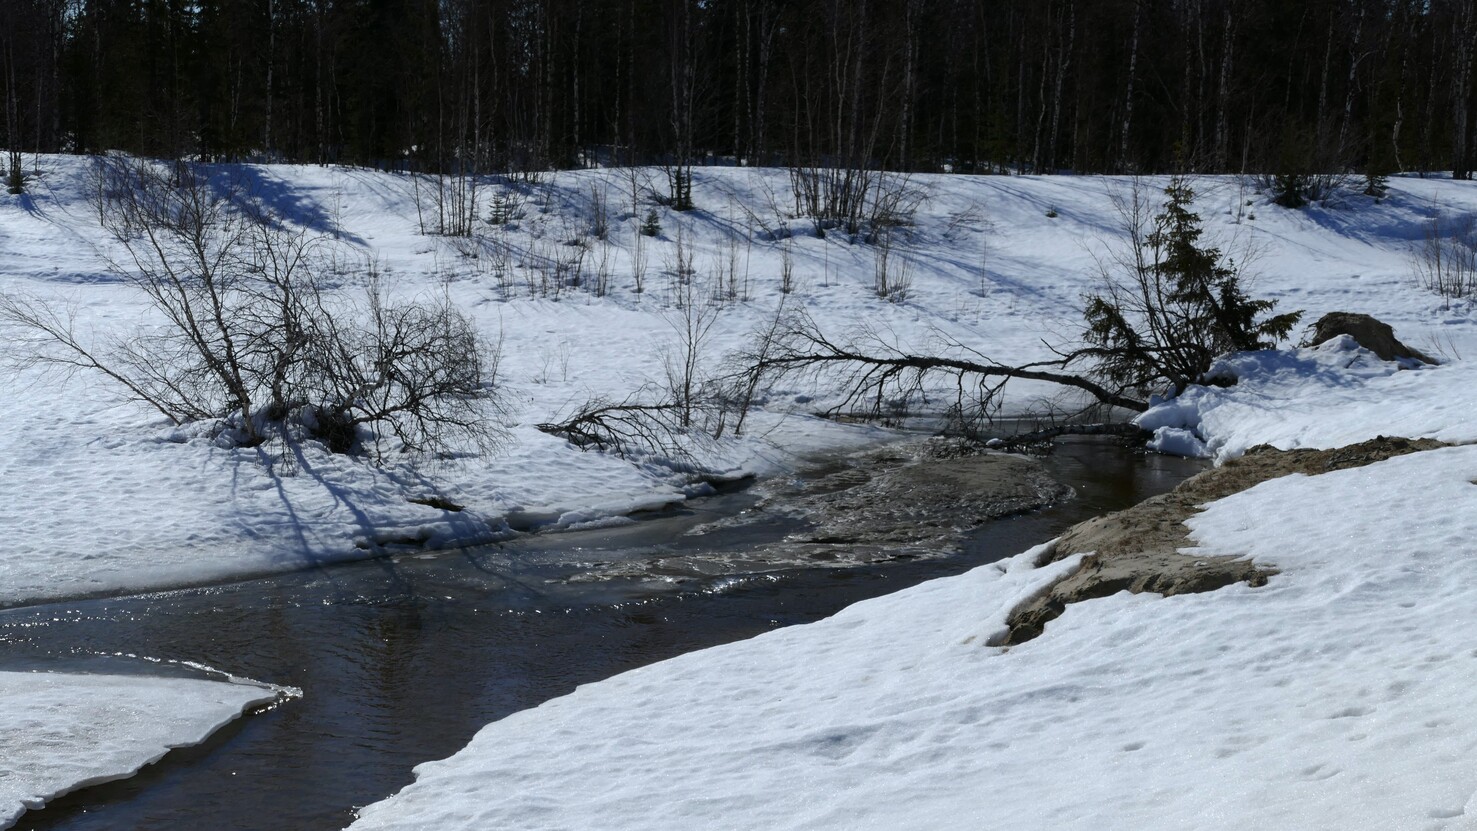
(284, 200)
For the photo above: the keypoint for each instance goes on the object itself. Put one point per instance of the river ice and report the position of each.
(62, 731)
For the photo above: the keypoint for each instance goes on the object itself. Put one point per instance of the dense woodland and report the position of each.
(963, 85)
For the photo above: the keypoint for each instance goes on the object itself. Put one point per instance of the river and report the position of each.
(402, 659)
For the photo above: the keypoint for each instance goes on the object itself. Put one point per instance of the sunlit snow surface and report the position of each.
(1324, 397)
(99, 496)
(60, 732)
(1339, 696)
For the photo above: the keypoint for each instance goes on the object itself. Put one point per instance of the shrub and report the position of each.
(1445, 262)
(250, 334)
(652, 225)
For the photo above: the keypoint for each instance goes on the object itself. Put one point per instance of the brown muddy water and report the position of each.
(401, 660)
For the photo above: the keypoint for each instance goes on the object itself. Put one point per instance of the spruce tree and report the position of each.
(1180, 305)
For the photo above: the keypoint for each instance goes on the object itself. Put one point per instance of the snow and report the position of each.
(1333, 697)
(1337, 696)
(100, 496)
(62, 731)
(1327, 396)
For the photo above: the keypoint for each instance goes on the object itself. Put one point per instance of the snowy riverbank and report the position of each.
(893, 709)
(1335, 696)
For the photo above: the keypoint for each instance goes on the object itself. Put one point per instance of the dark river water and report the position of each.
(402, 659)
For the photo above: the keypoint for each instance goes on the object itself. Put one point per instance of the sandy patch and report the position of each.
(1139, 549)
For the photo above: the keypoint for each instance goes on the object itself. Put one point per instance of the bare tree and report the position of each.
(692, 317)
(248, 332)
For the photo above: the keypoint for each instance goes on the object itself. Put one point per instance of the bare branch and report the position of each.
(871, 375)
(626, 427)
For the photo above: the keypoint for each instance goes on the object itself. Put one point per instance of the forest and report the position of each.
(968, 86)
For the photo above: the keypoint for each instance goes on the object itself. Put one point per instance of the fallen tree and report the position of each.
(1168, 305)
(633, 425)
(877, 377)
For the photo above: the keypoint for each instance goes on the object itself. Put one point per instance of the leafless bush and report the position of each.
(569, 257)
(891, 272)
(863, 202)
(902, 282)
(497, 258)
(637, 181)
(692, 317)
(984, 267)
(249, 333)
(417, 370)
(734, 282)
(445, 203)
(542, 272)
(569, 266)
(894, 202)
(771, 224)
(601, 283)
(681, 265)
(557, 358)
(970, 218)
(15, 177)
(830, 196)
(1445, 262)
(599, 212)
(679, 186)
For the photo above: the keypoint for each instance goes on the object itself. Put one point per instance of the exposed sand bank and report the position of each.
(1139, 549)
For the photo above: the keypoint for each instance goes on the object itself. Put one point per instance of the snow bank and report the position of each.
(1335, 697)
(60, 732)
(1328, 396)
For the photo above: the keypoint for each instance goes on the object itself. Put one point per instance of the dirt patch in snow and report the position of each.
(1138, 549)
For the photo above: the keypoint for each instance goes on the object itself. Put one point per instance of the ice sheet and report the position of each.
(60, 732)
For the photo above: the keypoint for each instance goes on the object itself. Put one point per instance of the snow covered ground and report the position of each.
(1333, 395)
(60, 731)
(99, 496)
(1337, 696)
(1330, 698)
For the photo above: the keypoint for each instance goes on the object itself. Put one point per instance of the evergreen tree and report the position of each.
(1179, 305)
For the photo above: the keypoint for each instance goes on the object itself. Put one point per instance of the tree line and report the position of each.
(929, 85)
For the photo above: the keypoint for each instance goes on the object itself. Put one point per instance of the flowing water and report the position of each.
(402, 659)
